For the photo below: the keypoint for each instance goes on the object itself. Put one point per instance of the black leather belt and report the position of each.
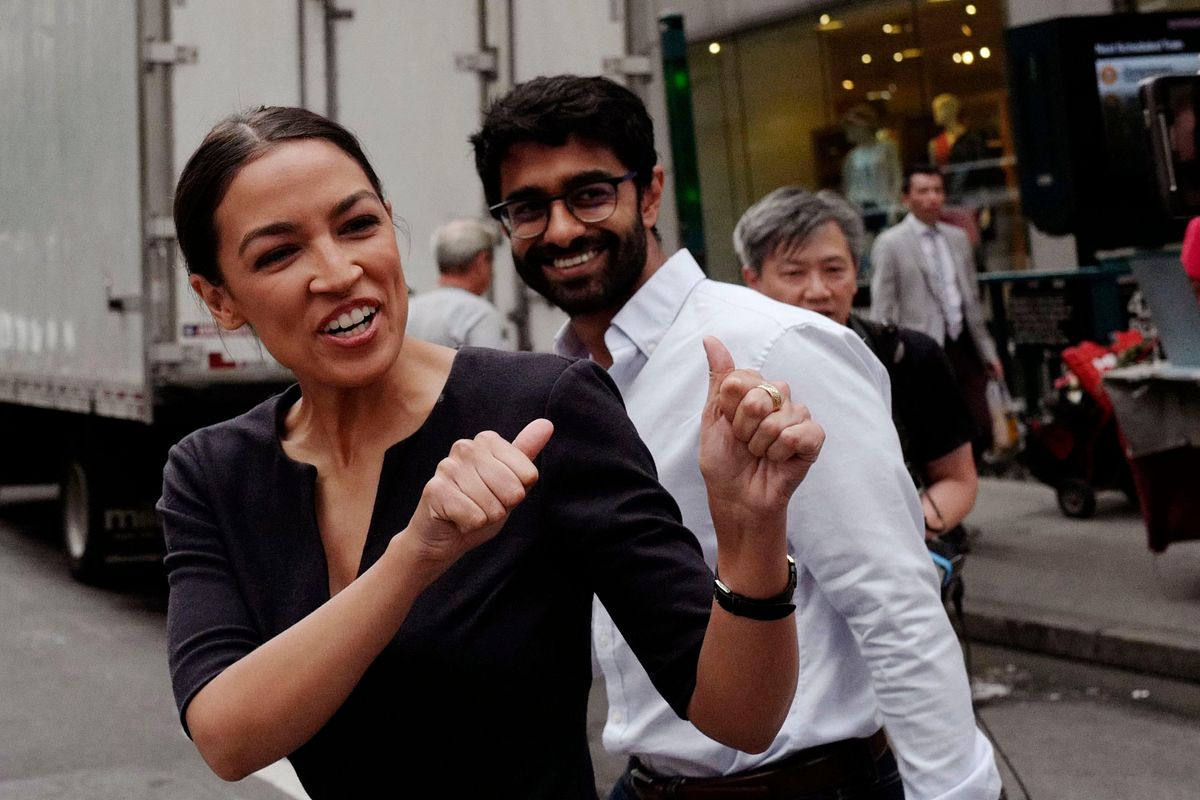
(837, 765)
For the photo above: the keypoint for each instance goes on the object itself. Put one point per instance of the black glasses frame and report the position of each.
(500, 210)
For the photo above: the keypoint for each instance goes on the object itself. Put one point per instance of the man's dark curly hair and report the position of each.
(548, 110)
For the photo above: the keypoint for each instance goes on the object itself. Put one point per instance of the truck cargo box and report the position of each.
(106, 355)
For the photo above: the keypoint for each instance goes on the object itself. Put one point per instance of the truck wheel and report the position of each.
(1076, 498)
(83, 535)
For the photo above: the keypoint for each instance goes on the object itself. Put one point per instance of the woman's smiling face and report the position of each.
(308, 258)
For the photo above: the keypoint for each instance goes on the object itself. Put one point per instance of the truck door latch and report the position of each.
(486, 62)
(168, 53)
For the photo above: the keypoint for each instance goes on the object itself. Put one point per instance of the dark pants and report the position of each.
(886, 787)
(972, 380)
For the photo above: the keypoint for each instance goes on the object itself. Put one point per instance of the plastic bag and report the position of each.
(1006, 431)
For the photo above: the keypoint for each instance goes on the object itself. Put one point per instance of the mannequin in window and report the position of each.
(959, 145)
(945, 116)
(871, 173)
(958, 151)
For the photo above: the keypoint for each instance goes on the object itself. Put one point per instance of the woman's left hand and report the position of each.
(756, 445)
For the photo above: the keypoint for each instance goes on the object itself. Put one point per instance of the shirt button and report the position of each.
(617, 717)
(604, 640)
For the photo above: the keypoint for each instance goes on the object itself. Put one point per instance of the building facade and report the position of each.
(847, 95)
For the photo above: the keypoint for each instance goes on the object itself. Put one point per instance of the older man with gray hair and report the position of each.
(803, 248)
(456, 313)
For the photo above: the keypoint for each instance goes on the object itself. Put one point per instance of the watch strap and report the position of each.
(770, 608)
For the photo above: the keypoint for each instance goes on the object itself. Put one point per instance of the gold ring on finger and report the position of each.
(776, 395)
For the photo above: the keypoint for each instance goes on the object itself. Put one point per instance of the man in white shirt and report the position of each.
(922, 278)
(456, 313)
(569, 166)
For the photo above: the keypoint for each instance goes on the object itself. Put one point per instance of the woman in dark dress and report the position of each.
(385, 573)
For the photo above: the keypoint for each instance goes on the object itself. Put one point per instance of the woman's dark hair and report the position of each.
(234, 142)
(548, 110)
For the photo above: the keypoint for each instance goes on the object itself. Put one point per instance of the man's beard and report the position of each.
(625, 259)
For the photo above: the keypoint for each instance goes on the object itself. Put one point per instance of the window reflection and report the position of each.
(845, 100)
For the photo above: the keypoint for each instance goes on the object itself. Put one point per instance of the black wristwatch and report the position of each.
(770, 608)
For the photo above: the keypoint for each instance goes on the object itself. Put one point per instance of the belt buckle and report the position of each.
(644, 782)
(639, 777)
(647, 785)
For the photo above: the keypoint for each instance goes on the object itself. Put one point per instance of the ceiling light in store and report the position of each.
(897, 56)
(892, 27)
(866, 58)
(848, 85)
(957, 58)
(828, 23)
(968, 57)
(966, 29)
(714, 48)
(912, 52)
(970, 9)
(825, 18)
(985, 52)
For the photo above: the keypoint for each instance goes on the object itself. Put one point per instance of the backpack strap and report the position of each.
(883, 339)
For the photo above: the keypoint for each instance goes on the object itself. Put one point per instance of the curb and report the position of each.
(1157, 651)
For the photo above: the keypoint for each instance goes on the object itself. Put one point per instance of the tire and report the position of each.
(1076, 499)
(83, 536)
(1131, 495)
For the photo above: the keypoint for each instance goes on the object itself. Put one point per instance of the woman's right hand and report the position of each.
(473, 491)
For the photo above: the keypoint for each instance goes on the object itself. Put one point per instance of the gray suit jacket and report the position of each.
(904, 285)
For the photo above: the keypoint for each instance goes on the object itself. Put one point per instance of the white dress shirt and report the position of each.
(941, 261)
(876, 646)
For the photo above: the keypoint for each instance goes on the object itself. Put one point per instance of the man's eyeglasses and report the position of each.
(529, 218)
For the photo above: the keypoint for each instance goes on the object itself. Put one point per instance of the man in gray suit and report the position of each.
(923, 278)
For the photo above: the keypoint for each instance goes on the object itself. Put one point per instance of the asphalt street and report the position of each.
(85, 700)
(86, 710)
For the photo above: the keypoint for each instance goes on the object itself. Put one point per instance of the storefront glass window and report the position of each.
(846, 100)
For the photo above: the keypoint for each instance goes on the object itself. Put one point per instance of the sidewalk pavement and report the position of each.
(1084, 589)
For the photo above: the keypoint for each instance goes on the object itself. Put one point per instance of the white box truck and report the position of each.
(106, 358)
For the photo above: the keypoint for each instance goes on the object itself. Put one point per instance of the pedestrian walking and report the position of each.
(922, 277)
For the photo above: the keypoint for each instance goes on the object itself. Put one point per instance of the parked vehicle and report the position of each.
(106, 358)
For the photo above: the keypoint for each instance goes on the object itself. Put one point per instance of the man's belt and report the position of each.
(837, 765)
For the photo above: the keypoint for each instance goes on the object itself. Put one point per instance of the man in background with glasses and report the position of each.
(569, 166)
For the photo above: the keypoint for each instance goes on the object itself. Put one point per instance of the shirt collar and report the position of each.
(645, 317)
(919, 226)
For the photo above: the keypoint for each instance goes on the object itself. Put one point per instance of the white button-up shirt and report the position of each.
(941, 262)
(876, 646)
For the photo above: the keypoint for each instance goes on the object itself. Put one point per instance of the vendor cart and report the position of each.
(1158, 409)
(1158, 406)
